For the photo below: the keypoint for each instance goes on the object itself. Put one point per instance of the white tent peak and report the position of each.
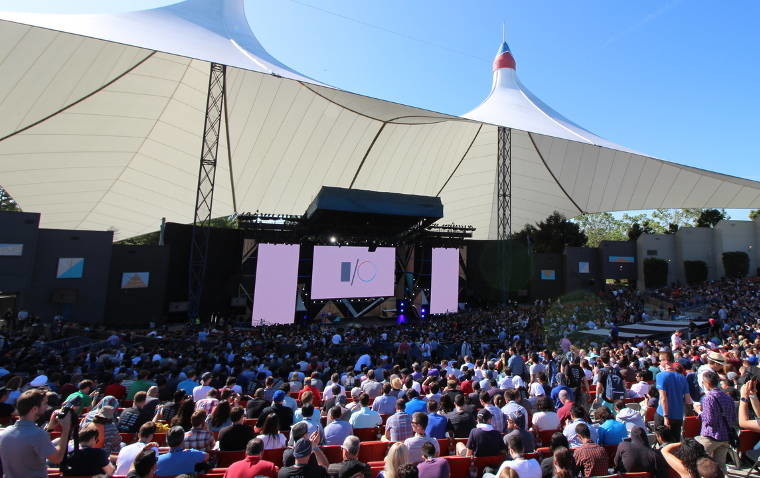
(512, 105)
(215, 31)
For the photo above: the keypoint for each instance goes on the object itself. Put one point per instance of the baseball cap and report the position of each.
(302, 448)
(752, 360)
(484, 414)
(206, 376)
(278, 396)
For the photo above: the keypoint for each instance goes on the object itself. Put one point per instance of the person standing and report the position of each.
(674, 396)
(24, 446)
(718, 416)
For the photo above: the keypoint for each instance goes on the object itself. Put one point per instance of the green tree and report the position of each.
(754, 213)
(711, 217)
(603, 226)
(552, 234)
(637, 229)
(679, 217)
(7, 203)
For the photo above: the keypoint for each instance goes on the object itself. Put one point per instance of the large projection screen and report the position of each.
(444, 281)
(274, 293)
(349, 272)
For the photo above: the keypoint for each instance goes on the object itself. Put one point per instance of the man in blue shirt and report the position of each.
(178, 460)
(415, 403)
(437, 424)
(365, 417)
(674, 395)
(188, 384)
(611, 431)
(338, 429)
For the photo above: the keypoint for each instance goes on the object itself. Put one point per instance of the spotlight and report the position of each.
(333, 239)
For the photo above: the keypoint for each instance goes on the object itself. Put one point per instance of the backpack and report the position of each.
(614, 387)
(573, 375)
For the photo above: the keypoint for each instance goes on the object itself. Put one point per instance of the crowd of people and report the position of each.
(481, 384)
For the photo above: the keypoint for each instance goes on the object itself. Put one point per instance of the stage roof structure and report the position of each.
(101, 122)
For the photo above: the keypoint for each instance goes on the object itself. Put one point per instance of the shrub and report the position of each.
(655, 272)
(736, 264)
(695, 271)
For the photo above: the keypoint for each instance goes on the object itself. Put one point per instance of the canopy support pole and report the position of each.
(504, 184)
(204, 195)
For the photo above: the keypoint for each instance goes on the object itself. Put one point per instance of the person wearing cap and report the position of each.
(201, 391)
(715, 362)
(108, 434)
(303, 467)
(414, 443)
(515, 425)
(284, 413)
(178, 460)
(38, 381)
(351, 465)
(483, 439)
(252, 465)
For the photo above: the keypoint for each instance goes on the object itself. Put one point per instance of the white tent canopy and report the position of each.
(101, 118)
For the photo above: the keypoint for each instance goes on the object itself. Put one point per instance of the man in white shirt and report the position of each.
(524, 468)
(128, 453)
(201, 391)
(577, 413)
(715, 363)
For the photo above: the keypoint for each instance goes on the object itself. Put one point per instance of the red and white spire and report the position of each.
(504, 58)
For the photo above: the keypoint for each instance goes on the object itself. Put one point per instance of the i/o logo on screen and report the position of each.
(365, 271)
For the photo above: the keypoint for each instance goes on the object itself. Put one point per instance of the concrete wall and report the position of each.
(137, 306)
(733, 236)
(574, 279)
(660, 246)
(617, 270)
(89, 291)
(16, 271)
(696, 244)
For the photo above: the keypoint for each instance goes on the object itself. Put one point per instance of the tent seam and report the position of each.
(460, 160)
(541, 157)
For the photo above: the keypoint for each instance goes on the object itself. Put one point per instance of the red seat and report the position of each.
(251, 422)
(376, 467)
(493, 461)
(127, 437)
(532, 456)
(545, 436)
(611, 452)
(544, 452)
(274, 455)
(384, 417)
(366, 434)
(226, 458)
(650, 414)
(748, 439)
(334, 453)
(691, 426)
(459, 465)
(160, 438)
(373, 450)
(638, 474)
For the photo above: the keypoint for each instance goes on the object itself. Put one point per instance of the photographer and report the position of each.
(24, 446)
(87, 460)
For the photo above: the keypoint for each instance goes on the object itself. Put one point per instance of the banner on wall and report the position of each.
(548, 274)
(70, 268)
(135, 280)
(11, 249)
(583, 268)
(622, 259)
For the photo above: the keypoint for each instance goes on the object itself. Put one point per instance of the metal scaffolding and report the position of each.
(204, 196)
(504, 184)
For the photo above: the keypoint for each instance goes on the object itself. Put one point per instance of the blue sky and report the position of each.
(676, 79)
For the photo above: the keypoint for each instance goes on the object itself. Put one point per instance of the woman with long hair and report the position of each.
(270, 433)
(690, 460)
(397, 456)
(184, 413)
(564, 465)
(220, 417)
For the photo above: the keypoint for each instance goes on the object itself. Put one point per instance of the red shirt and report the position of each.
(564, 412)
(251, 466)
(315, 393)
(116, 390)
(466, 387)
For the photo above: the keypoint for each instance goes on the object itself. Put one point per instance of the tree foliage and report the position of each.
(7, 203)
(711, 217)
(754, 214)
(602, 226)
(552, 234)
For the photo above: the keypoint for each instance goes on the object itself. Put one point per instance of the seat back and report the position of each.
(334, 453)
(611, 452)
(274, 455)
(691, 426)
(459, 465)
(493, 461)
(366, 434)
(373, 451)
(226, 458)
(545, 436)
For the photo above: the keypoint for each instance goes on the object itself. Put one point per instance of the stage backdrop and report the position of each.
(274, 294)
(349, 272)
(444, 281)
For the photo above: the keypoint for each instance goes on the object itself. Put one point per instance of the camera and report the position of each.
(68, 407)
